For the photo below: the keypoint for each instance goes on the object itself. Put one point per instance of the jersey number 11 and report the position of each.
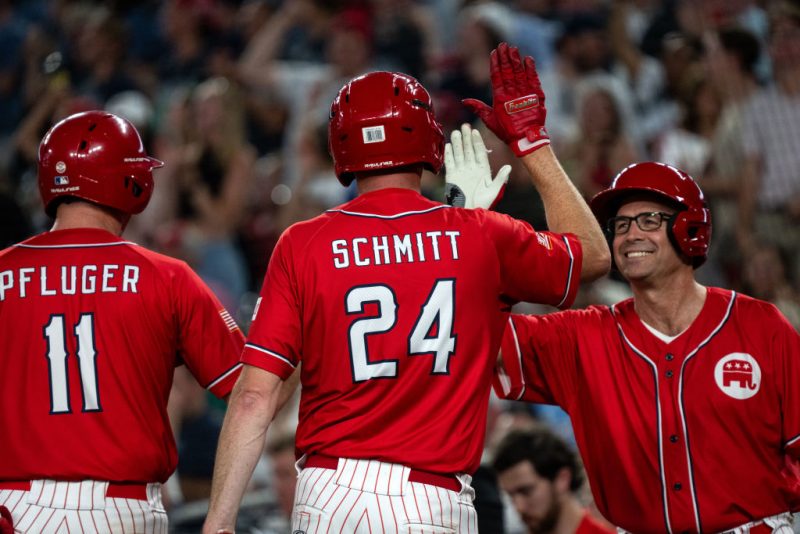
(57, 357)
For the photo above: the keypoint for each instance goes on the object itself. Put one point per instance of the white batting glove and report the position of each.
(468, 176)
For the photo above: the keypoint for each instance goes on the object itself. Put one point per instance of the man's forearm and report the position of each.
(240, 446)
(567, 212)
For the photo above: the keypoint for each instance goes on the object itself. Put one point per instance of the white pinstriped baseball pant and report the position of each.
(368, 496)
(52, 507)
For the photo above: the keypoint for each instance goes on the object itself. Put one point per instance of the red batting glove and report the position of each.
(517, 114)
(6, 523)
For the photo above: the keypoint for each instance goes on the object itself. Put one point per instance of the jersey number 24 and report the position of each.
(432, 333)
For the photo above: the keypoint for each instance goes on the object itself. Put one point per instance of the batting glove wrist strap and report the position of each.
(524, 146)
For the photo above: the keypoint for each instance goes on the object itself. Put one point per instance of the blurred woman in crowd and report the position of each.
(601, 146)
(209, 167)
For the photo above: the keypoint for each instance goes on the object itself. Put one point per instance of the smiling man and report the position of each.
(683, 399)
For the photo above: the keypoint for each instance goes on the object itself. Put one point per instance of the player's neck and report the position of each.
(669, 307)
(85, 215)
(570, 517)
(374, 182)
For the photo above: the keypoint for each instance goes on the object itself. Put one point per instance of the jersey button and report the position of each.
(668, 374)
(674, 438)
(669, 356)
(677, 486)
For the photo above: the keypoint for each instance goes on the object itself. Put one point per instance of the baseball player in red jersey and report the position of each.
(92, 328)
(396, 305)
(683, 399)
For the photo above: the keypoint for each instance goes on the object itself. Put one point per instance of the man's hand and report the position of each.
(468, 176)
(517, 114)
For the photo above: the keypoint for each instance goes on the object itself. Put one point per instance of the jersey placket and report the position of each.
(678, 492)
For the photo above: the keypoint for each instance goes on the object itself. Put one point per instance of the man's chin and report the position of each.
(635, 272)
(534, 525)
(547, 523)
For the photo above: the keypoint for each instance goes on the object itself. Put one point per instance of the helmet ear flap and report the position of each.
(690, 233)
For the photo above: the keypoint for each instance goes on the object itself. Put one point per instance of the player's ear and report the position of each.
(563, 480)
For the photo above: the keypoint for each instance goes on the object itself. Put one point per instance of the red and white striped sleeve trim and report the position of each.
(268, 360)
(509, 379)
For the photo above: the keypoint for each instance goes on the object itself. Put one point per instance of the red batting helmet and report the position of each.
(382, 120)
(690, 228)
(95, 156)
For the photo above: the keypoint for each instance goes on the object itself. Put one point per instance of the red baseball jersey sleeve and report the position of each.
(700, 434)
(396, 305)
(93, 328)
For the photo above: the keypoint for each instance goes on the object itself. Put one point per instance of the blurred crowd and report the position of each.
(234, 96)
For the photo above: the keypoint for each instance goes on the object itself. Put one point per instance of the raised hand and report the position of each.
(468, 176)
(517, 114)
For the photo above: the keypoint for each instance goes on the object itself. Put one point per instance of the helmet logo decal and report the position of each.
(61, 180)
(373, 134)
(738, 375)
(379, 164)
(61, 167)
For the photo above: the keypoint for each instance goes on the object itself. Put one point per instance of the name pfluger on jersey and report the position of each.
(69, 280)
(395, 248)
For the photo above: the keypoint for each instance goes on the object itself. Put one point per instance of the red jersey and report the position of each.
(92, 329)
(700, 434)
(396, 306)
(591, 525)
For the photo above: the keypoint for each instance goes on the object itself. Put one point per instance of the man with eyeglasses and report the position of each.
(683, 399)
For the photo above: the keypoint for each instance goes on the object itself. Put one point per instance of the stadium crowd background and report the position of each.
(234, 96)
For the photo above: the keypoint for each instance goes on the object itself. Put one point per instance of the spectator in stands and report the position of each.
(730, 57)
(306, 88)
(687, 145)
(213, 166)
(765, 277)
(541, 474)
(283, 480)
(769, 197)
(602, 145)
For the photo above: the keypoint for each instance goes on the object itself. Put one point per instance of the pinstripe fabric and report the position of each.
(367, 496)
(52, 507)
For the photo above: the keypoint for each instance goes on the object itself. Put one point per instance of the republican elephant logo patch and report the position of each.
(738, 375)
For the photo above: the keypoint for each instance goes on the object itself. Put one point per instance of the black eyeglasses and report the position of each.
(648, 221)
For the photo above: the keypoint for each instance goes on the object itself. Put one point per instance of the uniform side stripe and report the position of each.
(271, 353)
(224, 375)
(379, 506)
(119, 516)
(569, 272)
(94, 522)
(394, 516)
(792, 441)
(395, 216)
